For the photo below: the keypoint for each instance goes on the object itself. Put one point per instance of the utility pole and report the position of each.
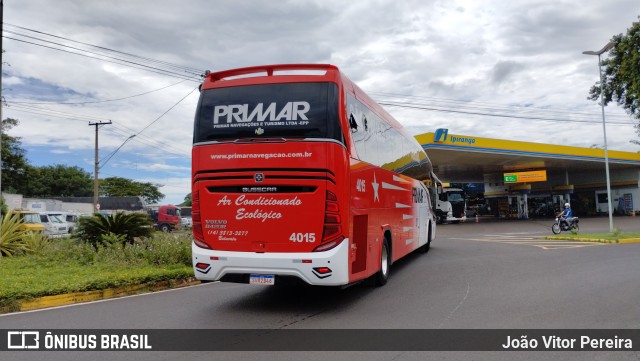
(95, 169)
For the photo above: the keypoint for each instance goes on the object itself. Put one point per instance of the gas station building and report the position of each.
(524, 179)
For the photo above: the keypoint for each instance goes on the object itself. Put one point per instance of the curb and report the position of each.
(629, 240)
(89, 296)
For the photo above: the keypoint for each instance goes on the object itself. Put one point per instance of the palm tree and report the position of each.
(127, 225)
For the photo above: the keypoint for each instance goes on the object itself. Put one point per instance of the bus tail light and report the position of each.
(332, 230)
(200, 243)
(323, 270)
(328, 245)
(332, 207)
(198, 234)
(203, 267)
(332, 218)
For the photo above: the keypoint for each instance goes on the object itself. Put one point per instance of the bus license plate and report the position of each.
(262, 280)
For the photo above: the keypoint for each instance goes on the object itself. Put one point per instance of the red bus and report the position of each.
(298, 175)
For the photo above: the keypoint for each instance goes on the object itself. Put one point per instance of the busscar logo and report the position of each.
(23, 340)
(259, 189)
(259, 177)
(441, 135)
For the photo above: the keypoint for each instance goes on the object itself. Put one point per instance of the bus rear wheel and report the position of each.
(385, 263)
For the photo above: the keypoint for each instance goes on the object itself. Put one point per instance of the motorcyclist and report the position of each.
(567, 215)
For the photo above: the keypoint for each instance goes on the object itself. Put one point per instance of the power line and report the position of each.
(77, 117)
(417, 107)
(51, 113)
(168, 110)
(92, 52)
(193, 70)
(432, 101)
(142, 67)
(102, 101)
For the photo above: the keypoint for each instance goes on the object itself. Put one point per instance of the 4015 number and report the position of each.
(303, 237)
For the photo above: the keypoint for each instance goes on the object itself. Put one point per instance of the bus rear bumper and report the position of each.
(328, 268)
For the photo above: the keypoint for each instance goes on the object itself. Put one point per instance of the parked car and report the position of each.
(30, 220)
(186, 222)
(69, 217)
(54, 227)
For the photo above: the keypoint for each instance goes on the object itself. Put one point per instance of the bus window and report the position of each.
(302, 110)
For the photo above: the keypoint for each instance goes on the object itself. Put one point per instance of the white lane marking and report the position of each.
(466, 295)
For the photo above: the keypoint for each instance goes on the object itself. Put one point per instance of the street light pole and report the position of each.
(104, 161)
(604, 128)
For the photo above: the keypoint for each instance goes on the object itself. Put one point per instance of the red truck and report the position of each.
(166, 217)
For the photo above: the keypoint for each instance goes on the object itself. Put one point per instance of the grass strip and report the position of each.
(30, 277)
(615, 237)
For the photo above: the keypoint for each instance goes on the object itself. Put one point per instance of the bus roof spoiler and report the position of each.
(270, 70)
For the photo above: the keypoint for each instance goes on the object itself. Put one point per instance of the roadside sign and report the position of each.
(526, 177)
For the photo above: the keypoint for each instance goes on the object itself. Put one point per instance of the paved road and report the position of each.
(477, 275)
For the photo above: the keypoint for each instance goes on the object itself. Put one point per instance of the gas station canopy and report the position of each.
(468, 159)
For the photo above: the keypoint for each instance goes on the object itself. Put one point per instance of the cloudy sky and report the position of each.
(500, 69)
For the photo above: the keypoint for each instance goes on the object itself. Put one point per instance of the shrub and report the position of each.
(36, 242)
(12, 237)
(161, 249)
(124, 226)
(166, 248)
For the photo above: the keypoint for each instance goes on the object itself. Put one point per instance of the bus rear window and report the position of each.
(287, 110)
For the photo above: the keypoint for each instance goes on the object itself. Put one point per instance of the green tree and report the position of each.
(622, 73)
(58, 181)
(188, 202)
(123, 187)
(14, 161)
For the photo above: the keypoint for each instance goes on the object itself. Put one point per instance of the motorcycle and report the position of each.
(562, 225)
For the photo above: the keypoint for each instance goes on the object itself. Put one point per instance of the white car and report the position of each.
(54, 227)
(69, 217)
(186, 222)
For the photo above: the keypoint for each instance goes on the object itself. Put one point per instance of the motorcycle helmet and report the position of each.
(567, 205)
